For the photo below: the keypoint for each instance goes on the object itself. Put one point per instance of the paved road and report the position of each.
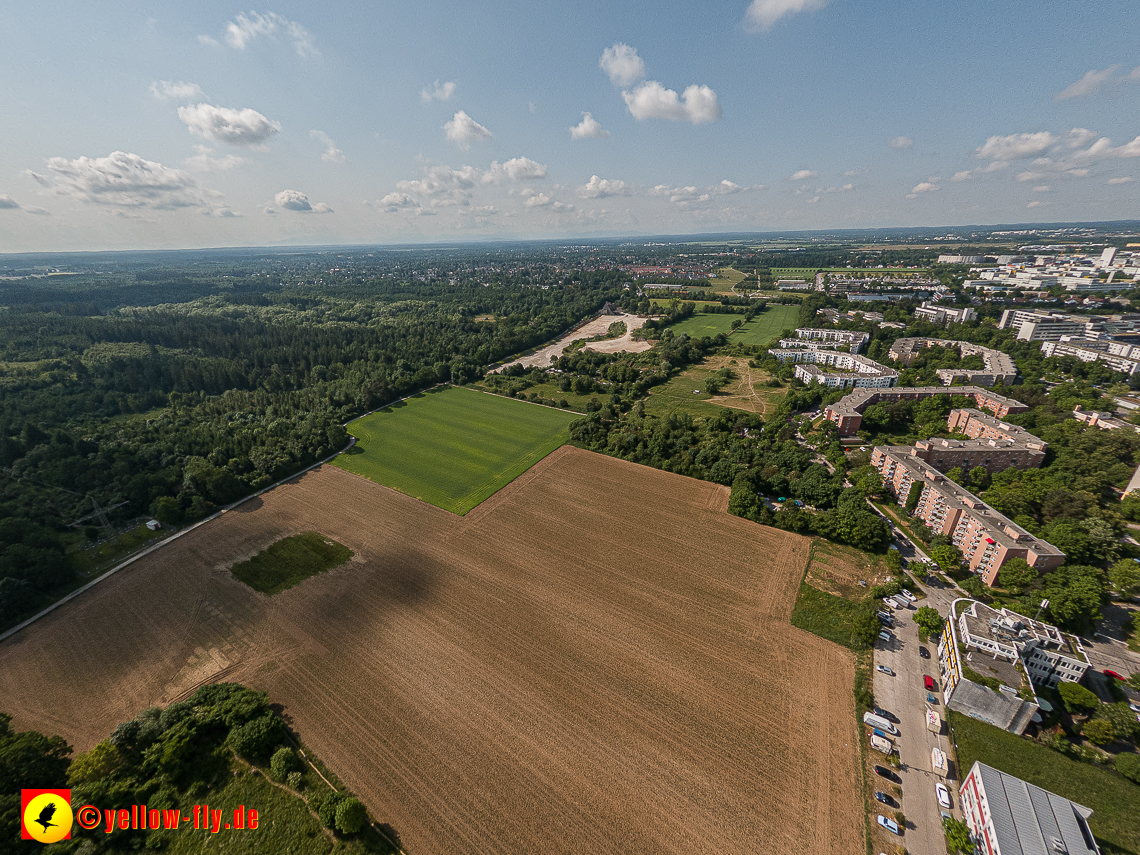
(905, 696)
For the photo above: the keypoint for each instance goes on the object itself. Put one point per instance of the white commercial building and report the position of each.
(1009, 816)
(944, 315)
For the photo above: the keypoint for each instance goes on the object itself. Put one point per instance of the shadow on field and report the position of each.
(357, 448)
(401, 577)
(248, 507)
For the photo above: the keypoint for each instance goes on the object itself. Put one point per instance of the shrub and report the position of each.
(258, 737)
(326, 808)
(1077, 698)
(1098, 731)
(283, 763)
(350, 816)
(295, 780)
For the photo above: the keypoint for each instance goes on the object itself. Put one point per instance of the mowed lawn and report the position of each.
(453, 447)
(762, 330)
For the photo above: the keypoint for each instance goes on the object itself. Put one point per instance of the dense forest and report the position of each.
(175, 408)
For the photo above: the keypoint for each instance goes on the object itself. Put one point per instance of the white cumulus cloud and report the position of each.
(600, 188)
(961, 176)
(246, 27)
(397, 202)
(331, 154)
(588, 128)
(651, 100)
(245, 127)
(622, 65)
(900, 142)
(167, 90)
(1014, 146)
(763, 14)
(438, 92)
(516, 169)
(930, 186)
(802, 175)
(294, 200)
(463, 130)
(7, 203)
(1091, 83)
(126, 180)
(1124, 180)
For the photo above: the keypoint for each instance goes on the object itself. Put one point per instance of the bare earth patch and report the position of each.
(598, 326)
(598, 658)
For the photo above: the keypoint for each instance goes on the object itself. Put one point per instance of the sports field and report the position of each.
(453, 447)
(761, 330)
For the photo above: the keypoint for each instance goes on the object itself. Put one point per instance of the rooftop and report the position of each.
(1031, 821)
(999, 528)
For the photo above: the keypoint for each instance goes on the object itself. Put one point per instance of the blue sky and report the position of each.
(135, 125)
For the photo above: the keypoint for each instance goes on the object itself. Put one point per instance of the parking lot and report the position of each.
(903, 694)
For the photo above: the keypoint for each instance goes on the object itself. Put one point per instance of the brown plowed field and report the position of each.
(597, 659)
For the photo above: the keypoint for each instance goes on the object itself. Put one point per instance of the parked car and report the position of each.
(882, 713)
(1108, 673)
(883, 669)
(943, 795)
(884, 772)
(884, 618)
(930, 699)
(885, 799)
(924, 653)
(928, 681)
(885, 636)
(882, 734)
(908, 595)
(889, 824)
(1134, 707)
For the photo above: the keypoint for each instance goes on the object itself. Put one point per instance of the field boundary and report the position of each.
(8, 633)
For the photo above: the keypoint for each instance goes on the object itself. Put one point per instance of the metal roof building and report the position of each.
(1009, 816)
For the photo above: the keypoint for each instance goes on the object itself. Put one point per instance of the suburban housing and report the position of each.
(997, 368)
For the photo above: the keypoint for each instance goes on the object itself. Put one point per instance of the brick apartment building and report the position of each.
(986, 538)
(847, 413)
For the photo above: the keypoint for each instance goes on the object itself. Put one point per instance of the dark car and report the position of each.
(882, 713)
(924, 653)
(885, 799)
(884, 772)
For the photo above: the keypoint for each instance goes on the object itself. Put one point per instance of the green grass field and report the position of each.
(1115, 800)
(761, 330)
(290, 561)
(827, 616)
(453, 447)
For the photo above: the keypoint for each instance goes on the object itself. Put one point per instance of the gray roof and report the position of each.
(1028, 820)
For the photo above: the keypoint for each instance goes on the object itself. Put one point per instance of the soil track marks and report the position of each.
(598, 659)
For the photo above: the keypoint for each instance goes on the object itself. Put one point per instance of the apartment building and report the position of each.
(978, 425)
(1009, 816)
(986, 538)
(848, 370)
(1094, 351)
(811, 338)
(1040, 326)
(994, 455)
(847, 412)
(1104, 421)
(997, 367)
(944, 315)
